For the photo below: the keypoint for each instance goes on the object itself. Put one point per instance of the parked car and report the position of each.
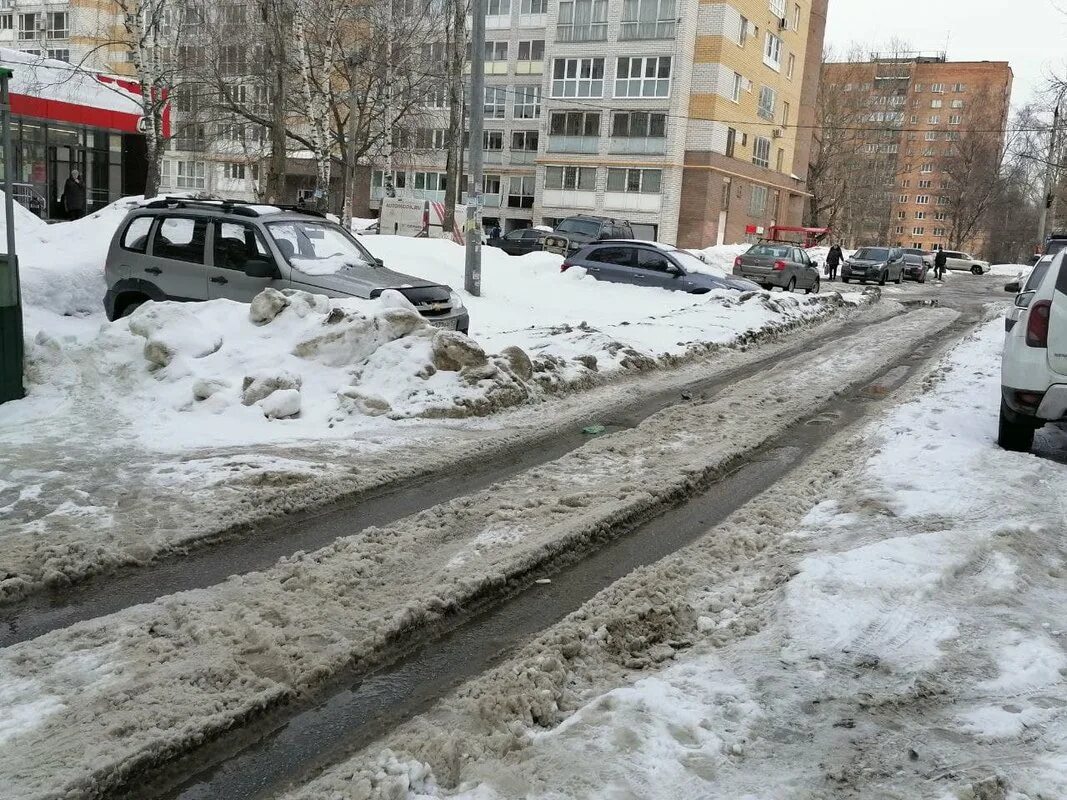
(926, 256)
(915, 267)
(574, 233)
(1033, 373)
(652, 264)
(882, 264)
(178, 249)
(1055, 242)
(778, 264)
(1025, 285)
(519, 242)
(965, 262)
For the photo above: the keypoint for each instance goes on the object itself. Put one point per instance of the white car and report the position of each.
(965, 262)
(1033, 370)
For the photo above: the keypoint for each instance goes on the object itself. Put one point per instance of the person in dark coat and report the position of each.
(939, 264)
(74, 196)
(833, 261)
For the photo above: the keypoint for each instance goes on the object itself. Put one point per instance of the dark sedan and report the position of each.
(651, 264)
(519, 242)
(914, 267)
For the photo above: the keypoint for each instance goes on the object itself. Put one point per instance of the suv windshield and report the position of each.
(583, 227)
(872, 254)
(317, 248)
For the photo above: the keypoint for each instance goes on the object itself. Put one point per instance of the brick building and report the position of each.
(924, 115)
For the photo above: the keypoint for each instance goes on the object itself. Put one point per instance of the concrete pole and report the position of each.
(1050, 176)
(12, 356)
(472, 228)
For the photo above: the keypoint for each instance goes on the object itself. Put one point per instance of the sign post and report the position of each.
(11, 343)
(472, 227)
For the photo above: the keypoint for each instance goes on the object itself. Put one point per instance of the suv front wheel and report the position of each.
(1012, 434)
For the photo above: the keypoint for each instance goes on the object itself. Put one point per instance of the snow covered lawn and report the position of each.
(906, 639)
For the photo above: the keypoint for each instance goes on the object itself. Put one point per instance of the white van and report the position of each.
(422, 218)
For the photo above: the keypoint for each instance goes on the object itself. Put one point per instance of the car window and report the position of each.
(654, 260)
(318, 248)
(622, 256)
(583, 227)
(515, 235)
(1038, 274)
(530, 235)
(769, 251)
(872, 254)
(135, 237)
(235, 244)
(181, 239)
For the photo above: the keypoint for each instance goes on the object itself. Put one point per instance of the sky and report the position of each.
(1028, 34)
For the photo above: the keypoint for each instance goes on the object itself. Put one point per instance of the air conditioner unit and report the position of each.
(782, 24)
(776, 133)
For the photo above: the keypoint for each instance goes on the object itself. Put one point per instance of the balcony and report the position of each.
(568, 198)
(520, 157)
(593, 32)
(630, 31)
(530, 20)
(573, 144)
(637, 145)
(632, 201)
(529, 67)
(488, 200)
(492, 156)
(496, 67)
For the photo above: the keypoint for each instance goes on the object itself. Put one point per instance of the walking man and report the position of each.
(74, 196)
(833, 261)
(939, 264)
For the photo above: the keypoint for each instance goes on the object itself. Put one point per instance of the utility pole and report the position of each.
(387, 178)
(472, 228)
(1050, 176)
(350, 151)
(11, 344)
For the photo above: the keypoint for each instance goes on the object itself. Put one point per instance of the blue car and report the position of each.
(652, 264)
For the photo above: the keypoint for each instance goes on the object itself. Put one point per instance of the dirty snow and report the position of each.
(217, 654)
(890, 646)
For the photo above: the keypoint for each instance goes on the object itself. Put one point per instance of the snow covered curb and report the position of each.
(154, 680)
(905, 640)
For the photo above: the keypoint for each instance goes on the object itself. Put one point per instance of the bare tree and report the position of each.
(457, 43)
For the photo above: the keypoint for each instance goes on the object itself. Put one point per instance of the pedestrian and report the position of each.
(73, 198)
(940, 259)
(833, 261)
(494, 232)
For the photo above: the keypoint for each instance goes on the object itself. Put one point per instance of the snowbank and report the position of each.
(1009, 270)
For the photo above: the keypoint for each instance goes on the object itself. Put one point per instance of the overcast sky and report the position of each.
(1028, 34)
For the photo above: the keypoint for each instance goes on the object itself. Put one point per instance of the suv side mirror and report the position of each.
(378, 262)
(1012, 287)
(675, 270)
(1023, 300)
(260, 267)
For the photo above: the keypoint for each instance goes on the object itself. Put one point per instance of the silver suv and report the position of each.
(180, 249)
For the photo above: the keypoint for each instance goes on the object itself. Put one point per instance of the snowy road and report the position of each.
(151, 681)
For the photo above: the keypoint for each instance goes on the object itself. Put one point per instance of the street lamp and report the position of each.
(11, 345)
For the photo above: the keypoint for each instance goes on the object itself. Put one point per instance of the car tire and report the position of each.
(976, 270)
(791, 286)
(130, 307)
(766, 287)
(900, 277)
(845, 280)
(814, 289)
(1018, 437)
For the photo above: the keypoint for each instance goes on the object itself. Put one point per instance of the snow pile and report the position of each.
(1009, 270)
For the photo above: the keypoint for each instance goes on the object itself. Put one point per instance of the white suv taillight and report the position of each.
(1037, 324)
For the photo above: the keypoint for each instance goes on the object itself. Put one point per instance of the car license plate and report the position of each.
(447, 324)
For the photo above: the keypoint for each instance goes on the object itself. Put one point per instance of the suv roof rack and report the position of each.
(242, 208)
(612, 220)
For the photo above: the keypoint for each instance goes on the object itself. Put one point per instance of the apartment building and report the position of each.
(84, 32)
(690, 119)
(917, 109)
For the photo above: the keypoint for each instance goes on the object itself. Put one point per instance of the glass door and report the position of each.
(62, 160)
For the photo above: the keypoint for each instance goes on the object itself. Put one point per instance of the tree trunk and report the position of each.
(154, 152)
(275, 57)
(454, 156)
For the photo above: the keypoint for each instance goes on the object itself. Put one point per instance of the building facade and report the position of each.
(692, 120)
(932, 130)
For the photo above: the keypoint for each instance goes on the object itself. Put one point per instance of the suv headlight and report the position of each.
(456, 301)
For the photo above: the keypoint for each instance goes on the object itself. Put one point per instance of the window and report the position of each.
(902, 215)
(942, 200)
(785, 113)
(59, 55)
(731, 142)
(772, 51)
(925, 184)
(926, 169)
(735, 93)
(135, 238)
(582, 21)
(914, 120)
(931, 136)
(578, 77)
(790, 66)
(233, 171)
(647, 19)
(904, 184)
(779, 160)
(496, 51)
(521, 191)
(935, 103)
(957, 104)
(190, 174)
(903, 198)
(652, 260)
(796, 17)
(491, 184)
(181, 238)
(492, 140)
(524, 141)
(767, 99)
(757, 203)
(761, 151)
(527, 102)
(643, 76)
(498, 8)
(922, 199)
(533, 6)
(430, 138)
(935, 119)
(496, 102)
(639, 124)
(436, 98)
(431, 181)
(778, 8)
(27, 27)
(955, 119)
(574, 123)
(939, 231)
(918, 230)
(582, 179)
(7, 22)
(57, 25)
(960, 87)
(900, 229)
(236, 243)
(641, 181)
(920, 215)
(937, 88)
(531, 50)
(917, 87)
